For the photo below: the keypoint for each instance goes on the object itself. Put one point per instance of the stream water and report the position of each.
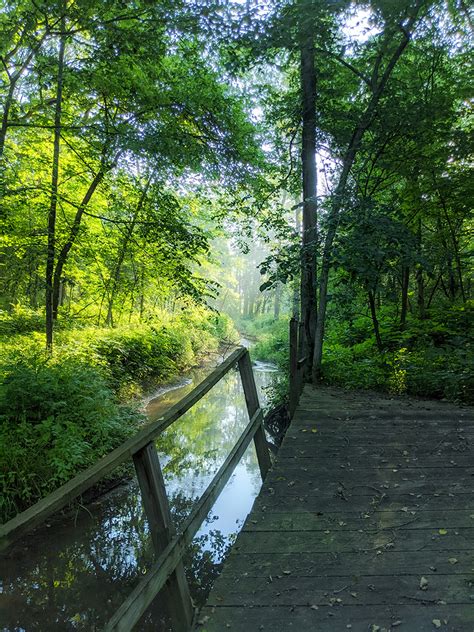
(74, 572)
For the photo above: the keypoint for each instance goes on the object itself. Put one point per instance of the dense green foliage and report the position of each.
(56, 418)
(60, 413)
(431, 358)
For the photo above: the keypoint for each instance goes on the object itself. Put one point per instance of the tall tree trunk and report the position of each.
(378, 87)
(74, 231)
(405, 286)
(375, 322)
(420, 282)
(142, 293)
(277, 301)
(455, 242)
(5, 116)
(309, 223)
(11, 90)
(121, 256)
(296, 290)
(51, 251)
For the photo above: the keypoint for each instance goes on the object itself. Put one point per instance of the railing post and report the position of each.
(152, 486)
(293, 377)
(253, 405)
(302, 368)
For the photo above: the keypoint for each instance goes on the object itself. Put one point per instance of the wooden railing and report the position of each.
(167, 572)
(297, 365)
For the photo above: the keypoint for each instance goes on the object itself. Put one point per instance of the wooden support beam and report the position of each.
(253, 406)
(175, 591)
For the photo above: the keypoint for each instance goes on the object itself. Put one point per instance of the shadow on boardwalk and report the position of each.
(365, 522)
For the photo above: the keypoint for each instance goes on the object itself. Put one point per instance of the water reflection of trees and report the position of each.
(74, 575)
(77, 581)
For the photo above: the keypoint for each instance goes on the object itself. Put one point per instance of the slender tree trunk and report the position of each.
(74, 231)
(142, 293)
(455, 242)
(5, 116)
(420, 282)
(309, 223)
(378, 87)
(405, 286)
(51, 251)
(277, 302)
(123, 252)
(375, 322)
(296, 290)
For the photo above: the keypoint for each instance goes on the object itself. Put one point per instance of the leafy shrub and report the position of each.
(20, 320)
(430, 372)
(136, 356)
(56, 418)
(63, 409)
(273, 345)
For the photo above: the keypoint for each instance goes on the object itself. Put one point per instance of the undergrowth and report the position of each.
(61, 412)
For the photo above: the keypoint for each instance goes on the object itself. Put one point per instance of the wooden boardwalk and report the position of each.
(365, 522)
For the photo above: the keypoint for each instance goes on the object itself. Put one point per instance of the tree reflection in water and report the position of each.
(74, 573)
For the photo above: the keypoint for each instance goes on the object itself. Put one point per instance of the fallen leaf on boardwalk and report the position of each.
(396, 623)
(436, 623)
(423, 583)
(314, 607)
(404, 509)
(314, 430)
(443, 531)
(375, 628)
(452, 560)
(286, 572)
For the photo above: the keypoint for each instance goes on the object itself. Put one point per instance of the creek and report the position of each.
(75, 571)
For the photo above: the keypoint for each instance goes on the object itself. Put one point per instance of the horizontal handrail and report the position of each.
(141, 597)
(60, 498)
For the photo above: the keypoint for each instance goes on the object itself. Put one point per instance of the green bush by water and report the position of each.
(59, 413)
(57, 417)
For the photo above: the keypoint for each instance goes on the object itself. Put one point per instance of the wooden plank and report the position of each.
(415, 618)
(379, 460)
(359, 588)
(348, 541)
(421, 488)
(141, 597)
(381, 431)
(33, 516)
(153, 493)
(343, 413)
(352, 520)
(305, 473)
(342, 442)
(253, 407)
(391, 563)
(342, 451)
(341, 501)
